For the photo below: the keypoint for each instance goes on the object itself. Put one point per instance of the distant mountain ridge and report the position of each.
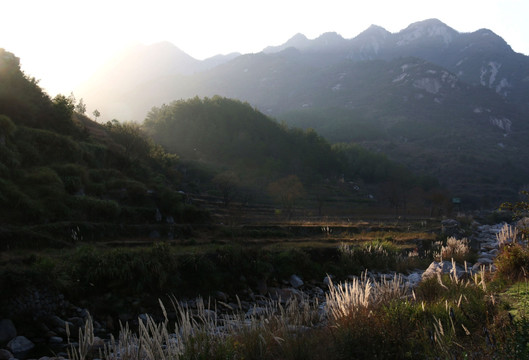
(449, 104)
(480, 57)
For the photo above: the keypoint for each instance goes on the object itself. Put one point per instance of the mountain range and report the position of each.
(449, 104)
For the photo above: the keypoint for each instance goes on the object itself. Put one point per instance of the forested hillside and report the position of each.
(228, 135)
(58, 166)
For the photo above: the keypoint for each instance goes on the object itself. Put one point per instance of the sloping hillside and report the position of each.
(59, 167)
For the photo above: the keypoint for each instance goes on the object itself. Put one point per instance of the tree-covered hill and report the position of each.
(228, 135)
(58, 166)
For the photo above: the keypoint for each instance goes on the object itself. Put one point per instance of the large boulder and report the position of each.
(450, 227)
(20, 344)
(296, 281)
(441, 267)
(5, 355)
(7, 330)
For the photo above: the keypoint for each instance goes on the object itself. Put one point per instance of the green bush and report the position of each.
(73, 176)
(513, 262)
(103, 175)
(171, 202)
(16, 205)
(42, 176)
(7, 126)
(40, 147)
(96, 209)
(192, 214)
(9, 156)
(126, 271)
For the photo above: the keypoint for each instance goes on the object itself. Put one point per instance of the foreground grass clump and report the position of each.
(444, 317)
(380, 256)
(457, 249)
(513, 257)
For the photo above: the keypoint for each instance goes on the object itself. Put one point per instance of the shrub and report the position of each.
(375, 255)
(513, 262)
(97, 209)
(73, 176)
(127, 271)
(102, 175)
(455, 249)
(7, 127)
(42, 176)
(44, 147)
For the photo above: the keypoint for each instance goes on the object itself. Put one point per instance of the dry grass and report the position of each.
(508, 234)
(455, 249)
(361, 318)
(347, 298)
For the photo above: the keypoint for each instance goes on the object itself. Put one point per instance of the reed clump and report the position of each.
(457, 249)
(362, 318)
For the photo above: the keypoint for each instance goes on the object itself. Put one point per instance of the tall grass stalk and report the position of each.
(362, 318)
(204, 334)
(507, 234)
(345, 298)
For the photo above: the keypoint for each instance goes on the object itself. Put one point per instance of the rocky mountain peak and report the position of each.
(369, 42)
(375, 31)
(431, 28)
(298, 41)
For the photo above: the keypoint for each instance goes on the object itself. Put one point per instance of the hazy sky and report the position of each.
(61, 42)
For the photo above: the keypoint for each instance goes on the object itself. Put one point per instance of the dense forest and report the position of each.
(57, 165)
(229, 135)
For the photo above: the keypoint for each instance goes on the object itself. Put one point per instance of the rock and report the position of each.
(450, 227)
(82, 312)
(441, 267)
(20, 344)
(494, 252)
(125, 317)
(55, 340)
(414, 279)
(7, 330)
(484, 261)
(210, 315)
(488, 267)
(57, 322)
(485, 255)
(262, 288)
(219, 295)
(5, 355)
(285, 294)
(318, 290)
(296, 281)
(522, 223)
(97, 344)
(256, 311)
(327, 280)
